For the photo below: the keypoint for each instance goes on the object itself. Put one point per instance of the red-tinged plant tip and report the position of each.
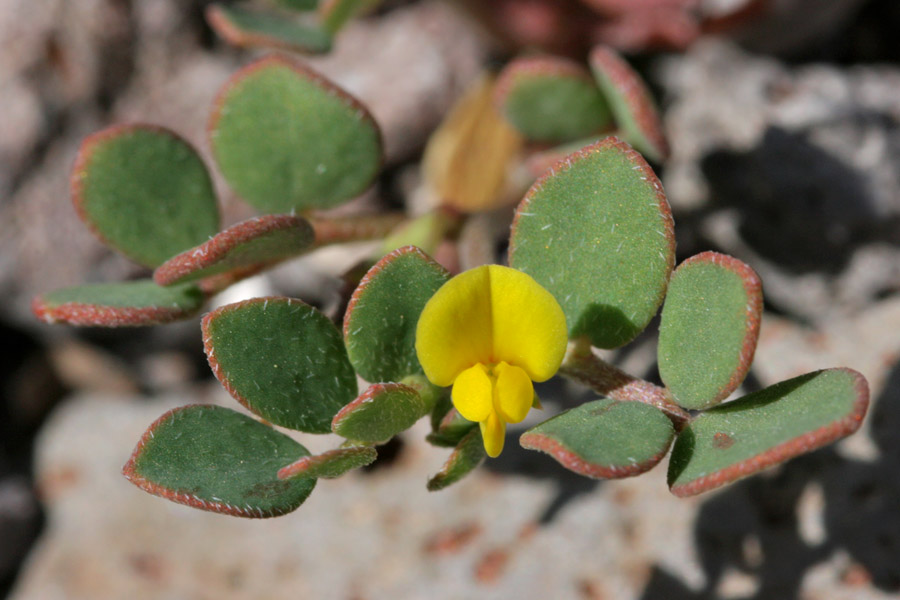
(709, 453)
(657, 29)
(247, 247)
(252, 28)
(330, 464)
(129, 304)
(615, 7)
(630, 102)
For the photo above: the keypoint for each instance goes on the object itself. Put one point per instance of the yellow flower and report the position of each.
(490, 332)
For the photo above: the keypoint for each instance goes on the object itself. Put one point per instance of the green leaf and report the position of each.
(710, 324)
(144, 191)
(299, 5)
(464, 459)
(282, 359)
(335, 13)
(331, 464)
(248, 247)
(551, 99)
(380, 413)
(381, 318)
(128, 304)
(765, 428)
(219, 460)
(541, 161)
(451, 430)
(288, 139)
(630, 102)
(428, 392)
(442, 407)
(604, 439)
(597, 232)
(247, 27)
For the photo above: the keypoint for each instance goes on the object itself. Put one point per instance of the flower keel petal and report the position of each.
(493, 431)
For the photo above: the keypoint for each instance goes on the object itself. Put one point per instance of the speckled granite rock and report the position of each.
(792, 169)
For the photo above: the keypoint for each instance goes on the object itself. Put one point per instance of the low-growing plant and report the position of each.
(591, 260)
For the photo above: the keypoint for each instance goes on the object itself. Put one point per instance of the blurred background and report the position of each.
(784, 122)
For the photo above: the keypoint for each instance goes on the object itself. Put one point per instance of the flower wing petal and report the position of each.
(529, 327)
(472, 395)
(513, 393)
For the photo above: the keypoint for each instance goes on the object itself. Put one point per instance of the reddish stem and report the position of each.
(585, 367)
(354, 229)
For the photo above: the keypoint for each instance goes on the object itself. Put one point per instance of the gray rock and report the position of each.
(376, 535)
(794, 170)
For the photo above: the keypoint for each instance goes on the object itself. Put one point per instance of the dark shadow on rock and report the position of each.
(29, 389)
(863, 510)
(663, 586)
(797, 205)
(752, 526)
(869, 36)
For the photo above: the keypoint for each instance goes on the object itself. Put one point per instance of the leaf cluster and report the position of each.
(595, 230)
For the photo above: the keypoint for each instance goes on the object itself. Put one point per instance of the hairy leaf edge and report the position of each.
(85, 154)
(217, 248)
(130, 473)
(300, 69)
(753, 288)
(807, 442)
(644, 170)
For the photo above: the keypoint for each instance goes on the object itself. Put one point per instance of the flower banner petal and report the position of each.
(454, 329)
(529, 327)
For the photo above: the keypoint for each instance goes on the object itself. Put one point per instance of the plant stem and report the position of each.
(585, 367)
(354, 229)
